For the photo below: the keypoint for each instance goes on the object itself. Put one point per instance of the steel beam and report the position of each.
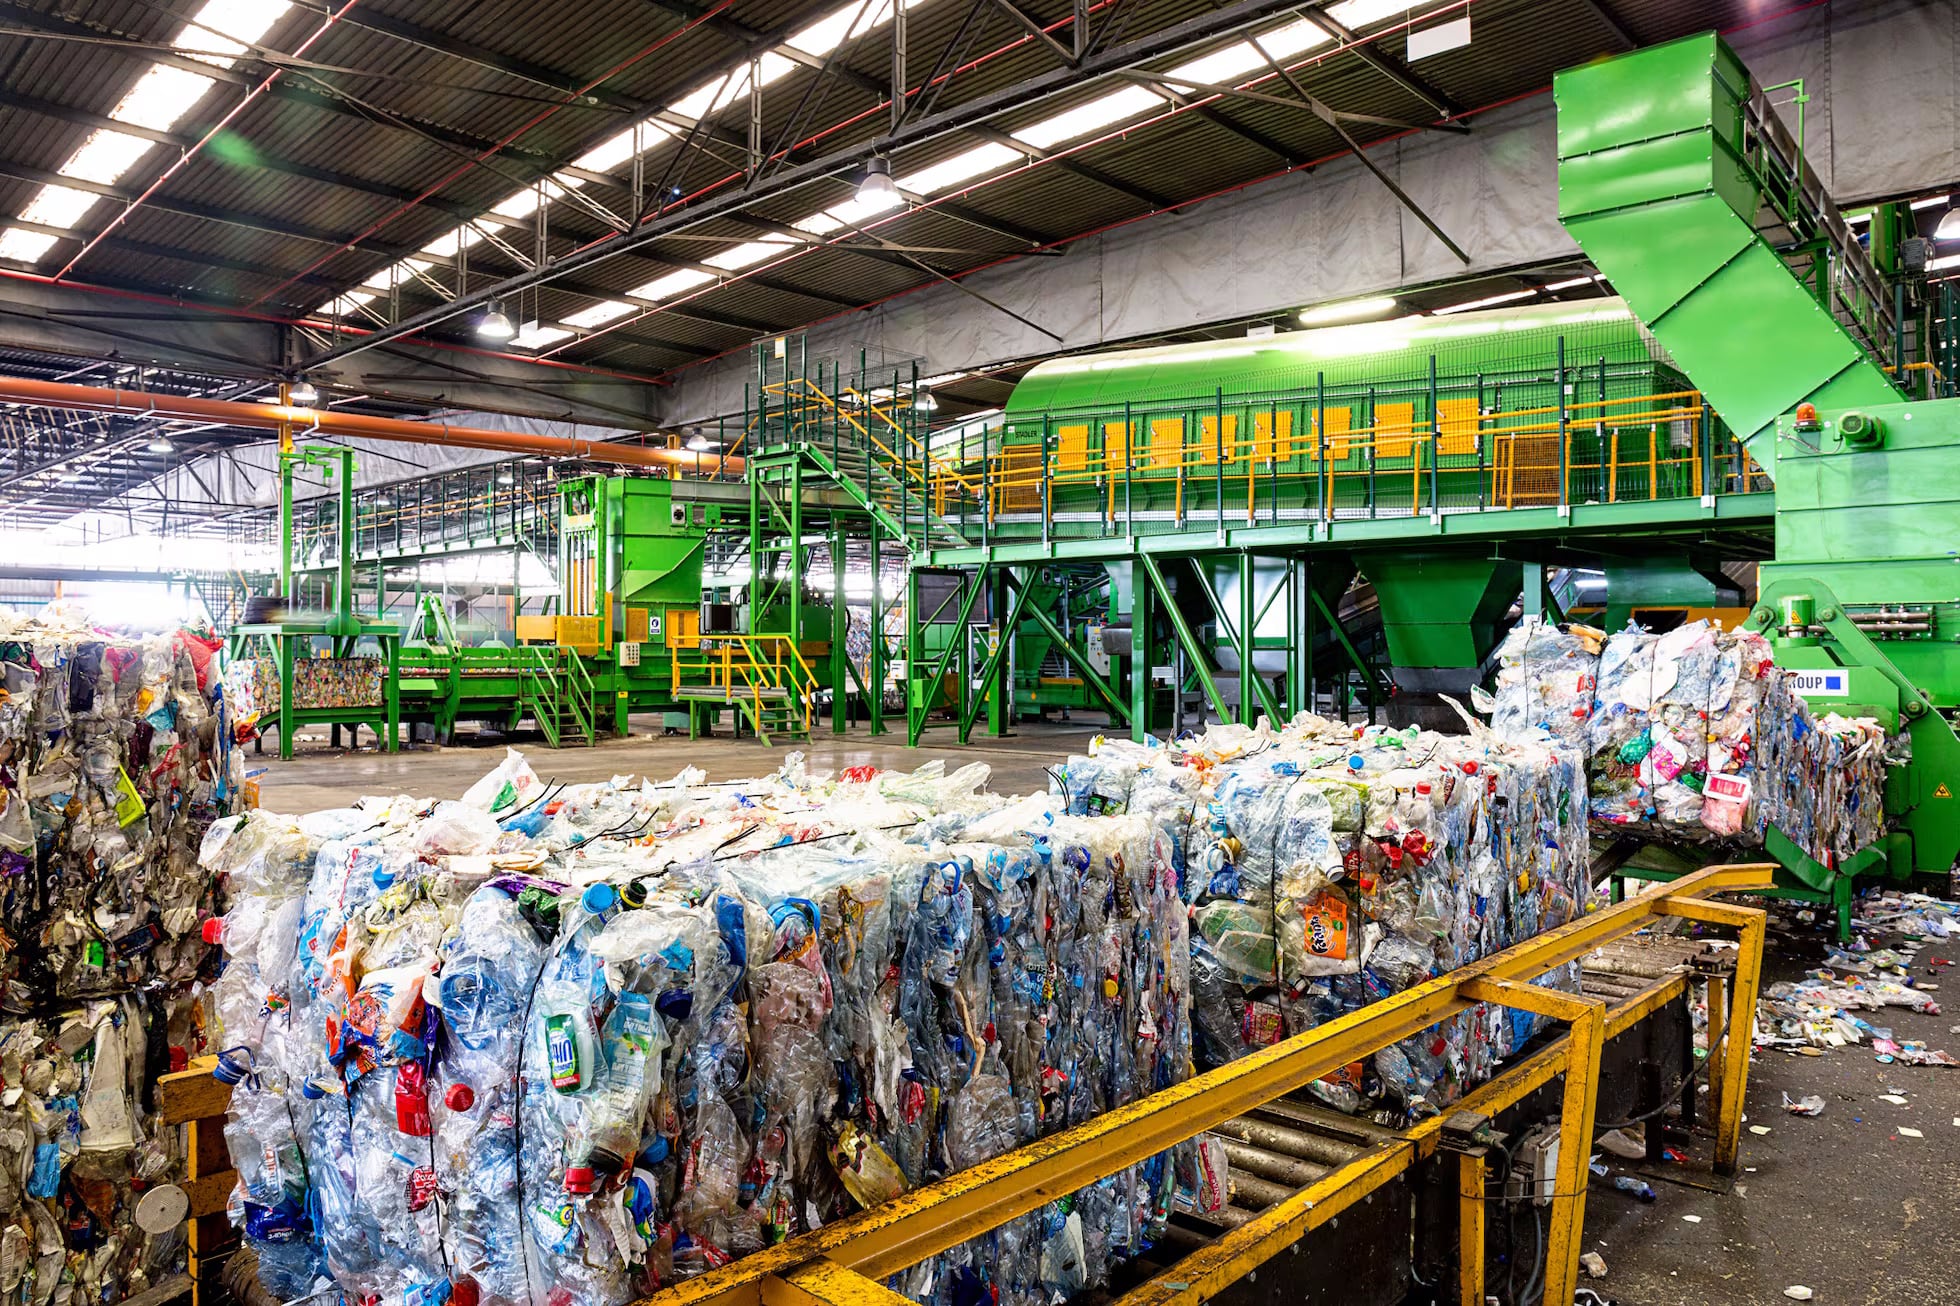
(1204, 26)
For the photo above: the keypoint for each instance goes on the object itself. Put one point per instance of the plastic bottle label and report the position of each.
(561, 1048)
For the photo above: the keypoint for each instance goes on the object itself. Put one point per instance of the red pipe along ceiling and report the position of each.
(301, 421)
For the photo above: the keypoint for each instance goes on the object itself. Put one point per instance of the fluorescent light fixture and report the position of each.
(1932, 202)
(1573, 284)
(1949, 228)
(1489, 301)
(963, 166)
(495, 325)
(1085, 118)
(161, 445)
(877, 191)
(598, 315)
(674, 283)
(534, 336)
(303, 393)
(1439, 38)
(1940, 264)
(1353, 310)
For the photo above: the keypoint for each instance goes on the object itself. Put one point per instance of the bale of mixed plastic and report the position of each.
(115, 757)
(571, 1044)
(1328, 867)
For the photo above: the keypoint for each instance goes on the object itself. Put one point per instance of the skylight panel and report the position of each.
(538, 337)
(452, 242)
(1223, 65)
(1363, 13)
(346, 304)
(854, 19)
(60, 206)
(674, 283)
(161, 96)
(598, 315)
(224, 28)
(961, 167)
(105, 156)
(24, 246)
(618, 148)
(1086, 118)
(749, 254)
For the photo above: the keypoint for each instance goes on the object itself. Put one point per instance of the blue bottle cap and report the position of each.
(383, 877)
(599, 898)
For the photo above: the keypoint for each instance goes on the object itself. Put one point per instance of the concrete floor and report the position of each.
(1841, 1202)
(319, 776)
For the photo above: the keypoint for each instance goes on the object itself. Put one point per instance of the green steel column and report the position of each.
(840, 629)
(286, 461)
(915, 717)
(1141, 652)
(1248, 641)
(1000, 687)
(795, 558)
(874, 668)
(1186, 639)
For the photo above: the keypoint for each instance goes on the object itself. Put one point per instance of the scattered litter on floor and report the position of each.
(1594, 1264)
(1908, 1132)
(1759, 1129)
(1893, 1098)
(1797, 1292)
(1810, 1104)
(1692, 1219)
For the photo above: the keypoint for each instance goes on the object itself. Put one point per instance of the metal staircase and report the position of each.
(556, 691)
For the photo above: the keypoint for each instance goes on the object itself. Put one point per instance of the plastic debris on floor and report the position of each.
(1329, 866)
(115, 757)
(1695, 734)
(570, 1044)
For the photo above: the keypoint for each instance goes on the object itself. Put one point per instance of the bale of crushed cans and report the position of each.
(116, 755)
(563, 1045)
(1695, 734)
(1328, 867)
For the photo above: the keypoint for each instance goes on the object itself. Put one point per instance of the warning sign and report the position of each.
(1941, 791)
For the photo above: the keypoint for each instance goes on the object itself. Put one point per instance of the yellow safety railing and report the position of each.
(843, 1263)
(747, 670)
(936, 471)
(1638, 447)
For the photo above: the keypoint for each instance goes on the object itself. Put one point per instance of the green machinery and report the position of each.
(1683, 186)
(315, 694)
(1739, 401)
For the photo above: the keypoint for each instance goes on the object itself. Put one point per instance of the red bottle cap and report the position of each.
(214, 930)
(579, 1179)
(464, 1292)
(459, 1097)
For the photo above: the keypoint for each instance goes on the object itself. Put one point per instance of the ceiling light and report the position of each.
(1354, 310)
(384, 502)
(1949, 228)
(161, 445)
(925, 403)
(877, 189)
(495, 323)
(505, 478)
(1572, 284)
(1489, 301)
(701, 444)
(303, 393)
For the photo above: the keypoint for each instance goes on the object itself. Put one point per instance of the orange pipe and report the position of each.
(271, 417)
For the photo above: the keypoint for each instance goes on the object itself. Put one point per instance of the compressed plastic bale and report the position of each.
(1545, 681)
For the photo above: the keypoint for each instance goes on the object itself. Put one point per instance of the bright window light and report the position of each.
(598, 315)
(1085, 118)
(403, 271)
(537, 337)
(674, 283)
(1489, 301)
(105, 156)
(618, 148)
(961, 167)
(348, 302)
(1296, 37)
(1363, 13)
(1223, 66)
(453, 242)
(819, 224)
(161, 97)
(60, 206)
(24, 246)
(854, 19)
(749, 253)
(245, 21)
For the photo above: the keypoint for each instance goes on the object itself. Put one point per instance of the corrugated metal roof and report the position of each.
(406, 95)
